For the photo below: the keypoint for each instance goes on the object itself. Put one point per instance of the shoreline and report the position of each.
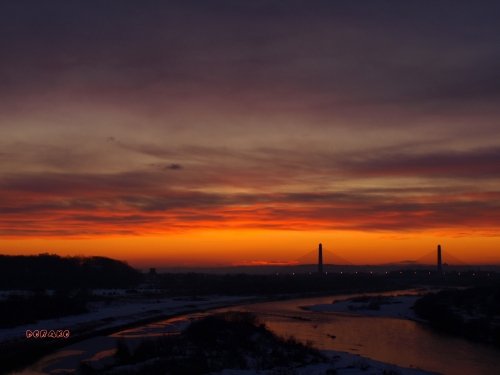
(398, 307)
(45, 349)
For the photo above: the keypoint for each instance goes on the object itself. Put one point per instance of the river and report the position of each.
(401, 342)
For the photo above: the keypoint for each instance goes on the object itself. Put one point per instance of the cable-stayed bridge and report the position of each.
(431, 258)
(329, 257)
(447, 259)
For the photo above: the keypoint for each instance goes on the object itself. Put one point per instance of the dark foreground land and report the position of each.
(232, 340)
(47, 286)
(472, 313)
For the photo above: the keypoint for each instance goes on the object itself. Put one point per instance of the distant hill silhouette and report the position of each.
(49, 271)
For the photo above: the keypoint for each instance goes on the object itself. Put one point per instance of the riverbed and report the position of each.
(398, 341)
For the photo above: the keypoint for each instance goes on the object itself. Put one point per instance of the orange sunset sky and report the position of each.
(192, 133)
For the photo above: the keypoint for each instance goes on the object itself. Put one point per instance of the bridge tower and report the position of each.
(439, 261)
(320, 258)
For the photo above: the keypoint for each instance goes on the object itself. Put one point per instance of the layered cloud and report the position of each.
(119, 118)
(455, 191)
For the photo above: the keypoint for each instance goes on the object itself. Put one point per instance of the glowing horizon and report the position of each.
(262, 247)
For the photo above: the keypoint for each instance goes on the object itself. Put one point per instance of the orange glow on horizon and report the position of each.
(264, 247)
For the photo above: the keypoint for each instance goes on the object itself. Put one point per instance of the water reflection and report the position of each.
(170, 326)
(398, 341)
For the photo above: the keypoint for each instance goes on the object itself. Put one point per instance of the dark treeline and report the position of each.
(47, 271)
(473, 313)
(68, 277)
(196, 284)
(17, 310)
(268, 284)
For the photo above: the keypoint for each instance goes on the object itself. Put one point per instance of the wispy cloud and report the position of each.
(328, 115)
(79, 205)
(473, 164)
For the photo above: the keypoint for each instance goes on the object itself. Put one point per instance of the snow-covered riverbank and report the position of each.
(386, 306)
(119, 313)
(338, 363)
